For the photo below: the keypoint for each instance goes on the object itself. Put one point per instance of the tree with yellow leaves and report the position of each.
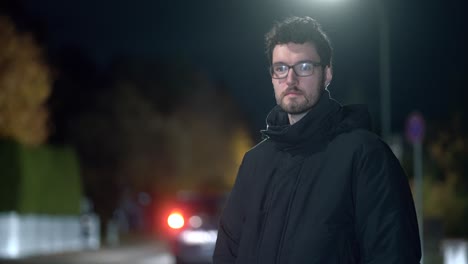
(25, 85)
(446, 190)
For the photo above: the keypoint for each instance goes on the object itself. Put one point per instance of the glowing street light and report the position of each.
(330, 1)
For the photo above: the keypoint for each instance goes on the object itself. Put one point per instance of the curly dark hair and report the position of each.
(299, 30)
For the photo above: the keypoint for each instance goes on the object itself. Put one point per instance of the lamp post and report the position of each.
(384, 65)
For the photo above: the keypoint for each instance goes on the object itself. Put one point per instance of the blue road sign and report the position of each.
(415, 128)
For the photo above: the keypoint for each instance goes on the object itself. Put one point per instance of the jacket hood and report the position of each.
(322, 123)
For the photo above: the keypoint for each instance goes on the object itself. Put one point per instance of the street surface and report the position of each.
(148, 252)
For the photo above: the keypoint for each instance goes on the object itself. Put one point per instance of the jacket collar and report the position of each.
(323, 122)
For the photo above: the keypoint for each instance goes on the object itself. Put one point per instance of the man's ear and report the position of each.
(328, 76)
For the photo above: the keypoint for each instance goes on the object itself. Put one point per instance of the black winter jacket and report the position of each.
(324, 190)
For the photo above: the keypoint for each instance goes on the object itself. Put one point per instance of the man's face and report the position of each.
(297, 94)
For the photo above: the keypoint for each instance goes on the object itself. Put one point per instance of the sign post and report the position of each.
(415, 129)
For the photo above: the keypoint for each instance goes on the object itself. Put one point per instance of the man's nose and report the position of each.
(291, 78)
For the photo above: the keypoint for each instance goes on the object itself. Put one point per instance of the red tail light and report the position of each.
(175, 220)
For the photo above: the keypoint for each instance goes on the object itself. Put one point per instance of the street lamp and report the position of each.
(384, 57)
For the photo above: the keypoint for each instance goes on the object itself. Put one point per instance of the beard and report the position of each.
(300, 104)
(295, 106)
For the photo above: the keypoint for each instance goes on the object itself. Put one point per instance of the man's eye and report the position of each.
(280, 68)
(306, 67)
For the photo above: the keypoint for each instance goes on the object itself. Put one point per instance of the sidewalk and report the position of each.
(132, 249)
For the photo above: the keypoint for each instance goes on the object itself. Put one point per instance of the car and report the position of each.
(192, 226)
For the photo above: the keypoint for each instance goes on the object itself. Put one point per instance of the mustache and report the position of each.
(293, 89)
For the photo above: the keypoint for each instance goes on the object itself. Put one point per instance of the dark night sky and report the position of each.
(225, 40)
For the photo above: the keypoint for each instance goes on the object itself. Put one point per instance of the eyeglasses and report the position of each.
(302, 69)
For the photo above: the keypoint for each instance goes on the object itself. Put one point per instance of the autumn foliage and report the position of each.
(446, 184)
(25, 85)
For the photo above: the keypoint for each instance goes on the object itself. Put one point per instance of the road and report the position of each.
(153, 252)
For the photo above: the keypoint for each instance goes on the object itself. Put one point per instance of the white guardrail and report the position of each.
(32, 234)
(455, 251)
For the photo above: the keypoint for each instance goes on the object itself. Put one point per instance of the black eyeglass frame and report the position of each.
(313, 63)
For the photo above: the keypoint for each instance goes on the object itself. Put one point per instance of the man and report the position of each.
(321, 188)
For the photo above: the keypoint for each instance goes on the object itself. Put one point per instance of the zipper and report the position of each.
(291, 200)
(266, 209)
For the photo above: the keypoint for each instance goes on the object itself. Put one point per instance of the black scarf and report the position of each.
(319, 126)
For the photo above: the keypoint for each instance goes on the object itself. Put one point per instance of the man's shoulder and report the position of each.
(363, 145)
(261, 149)
(360, 139)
